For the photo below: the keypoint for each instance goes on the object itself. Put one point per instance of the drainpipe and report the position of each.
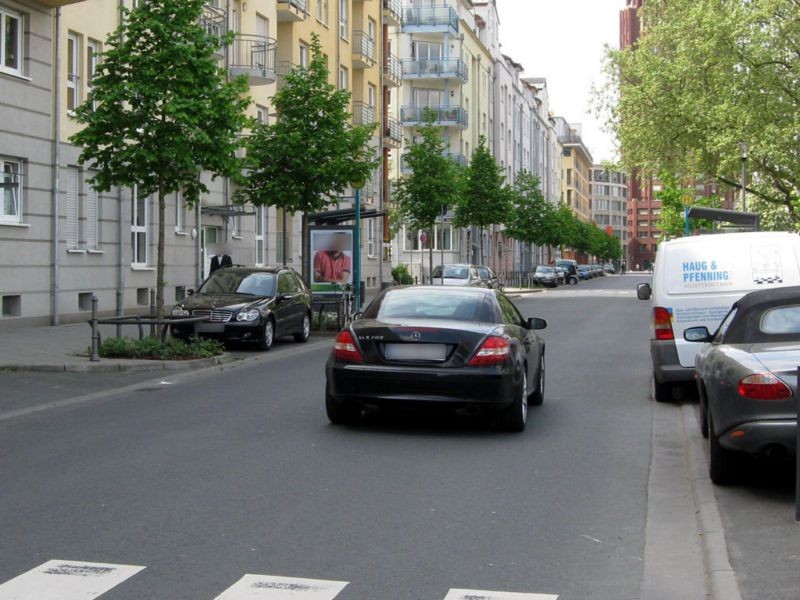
(56, 158)
(120, 229)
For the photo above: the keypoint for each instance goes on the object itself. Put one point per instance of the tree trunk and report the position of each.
(430, 262)
(160, 267)
(481, 245)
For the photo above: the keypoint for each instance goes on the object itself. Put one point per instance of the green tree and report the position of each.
(311, 153)
(529, 209)
(707, 75)
(484, 199)
(160, 111)
(432, 184)
(672, 194)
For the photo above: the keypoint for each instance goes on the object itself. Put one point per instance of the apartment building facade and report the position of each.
(608, 192)
(69, 242)
(576, 166)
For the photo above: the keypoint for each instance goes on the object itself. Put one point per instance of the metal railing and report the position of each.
(392, 68)
(213, 20)
(363, 114)
(393, 130)
(435, 68)
(459, 159)
(363, 46)
(430, 17)
(253, 53)
(442, 115)
(300, 5)
(394, 8)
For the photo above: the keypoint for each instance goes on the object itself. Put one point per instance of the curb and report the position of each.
(130, 366)
(723, 584)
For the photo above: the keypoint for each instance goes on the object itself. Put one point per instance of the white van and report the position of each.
(697, 279)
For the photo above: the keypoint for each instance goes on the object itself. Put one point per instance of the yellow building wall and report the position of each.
(476, 93)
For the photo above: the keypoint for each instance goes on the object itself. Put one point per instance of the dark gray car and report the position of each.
(747, 380)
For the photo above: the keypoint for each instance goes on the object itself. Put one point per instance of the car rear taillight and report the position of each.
(662, 324)
(345, 348)
(764, 386)
(494, 351)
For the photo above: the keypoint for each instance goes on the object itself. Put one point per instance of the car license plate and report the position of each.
(416, 352)
(210, 327)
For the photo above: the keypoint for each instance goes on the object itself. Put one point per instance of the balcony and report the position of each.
(292, 10)
(392, 11)
(392, 133)
(254, 57)
(437, 68)
(460, 160)
(430, 19)
(363, 50)
(363, 114)
(58, 3)
(443, 116)
(214, 21)
(392, 71)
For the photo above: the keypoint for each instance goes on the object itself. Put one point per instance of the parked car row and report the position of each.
(726, 316)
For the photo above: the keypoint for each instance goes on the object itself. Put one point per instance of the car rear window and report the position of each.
(781, 320)
(227, 281)
(456, 272)
(428, 304)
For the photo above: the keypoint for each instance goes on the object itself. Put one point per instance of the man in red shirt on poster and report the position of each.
(333, 265)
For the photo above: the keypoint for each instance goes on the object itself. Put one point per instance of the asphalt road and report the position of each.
(211, 478)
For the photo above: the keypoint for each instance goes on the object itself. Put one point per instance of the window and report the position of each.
(426, 50)
(425, 97)
(236, 226)
(261, 113)
(261, 237)
(343, 27)
(91, 218)
(322, 11)
(11, 188)
(303, 55)
(72, 230)
(140, 229)
(372, 94)
(510, 314)
(283, 236)
(180, 213)
(342, 78)
(93, 50)
(10, 41)
(781, 320)
(371, 237)
(73, 71)
(287, 284)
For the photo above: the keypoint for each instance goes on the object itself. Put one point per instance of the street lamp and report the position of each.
(743, 154)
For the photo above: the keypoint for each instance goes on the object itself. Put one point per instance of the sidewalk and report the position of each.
(66, 348)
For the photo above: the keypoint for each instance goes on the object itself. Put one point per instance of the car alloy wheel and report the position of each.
(267, 335)
(515, 416)
(305, 330)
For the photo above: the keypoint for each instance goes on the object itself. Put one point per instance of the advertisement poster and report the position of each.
(331, 258)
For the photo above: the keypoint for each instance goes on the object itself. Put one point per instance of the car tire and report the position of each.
(515, 417)
(267, 335)
(341, 412)
(723, 464)
(302, 336)
(662, 392)
(537, 397)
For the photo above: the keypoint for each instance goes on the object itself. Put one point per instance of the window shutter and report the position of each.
(72, 228)
(91, 214)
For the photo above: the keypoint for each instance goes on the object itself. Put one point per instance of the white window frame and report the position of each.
(343, 77)
(6, 14)
(371, 238)
(73, 78)
(139, 229)
(262, 114)
(436, 247)
(91, 218)
(343, 19)
(261, 238)
(72, 209)
(93, 51)
(180, 213)
(303, 54)
(11, 169)
(322, 12)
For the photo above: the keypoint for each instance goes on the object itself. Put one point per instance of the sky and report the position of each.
(563, 41)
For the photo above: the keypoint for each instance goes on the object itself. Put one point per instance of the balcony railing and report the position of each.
(58, 3)
(363, 114)
(392, 11)
(254, 57)
(392, 133)
(430, 18)
(435, 68)
(461, 160)
(447, 116)
(392, 70)
(213, 20)
(363, 50)
(292, 10)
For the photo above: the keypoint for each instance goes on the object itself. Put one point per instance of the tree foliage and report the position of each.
(707, 75)
(432, 184)
(529, 211)
(672, 195)
(159, 110)
(312, 152)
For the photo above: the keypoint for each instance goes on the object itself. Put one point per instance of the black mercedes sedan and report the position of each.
(453, 346)
(747, 380)
(249, 304)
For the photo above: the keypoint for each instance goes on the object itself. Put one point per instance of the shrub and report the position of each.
(153, 349)
(401, 275)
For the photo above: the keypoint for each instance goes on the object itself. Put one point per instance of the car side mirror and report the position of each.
(190, 292)
(358, 315)
(535, 324)
(697, 334)
(644, 291)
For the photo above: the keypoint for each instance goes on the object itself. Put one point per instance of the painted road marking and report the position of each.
(269, 587)
(66, 580)
(484, 595)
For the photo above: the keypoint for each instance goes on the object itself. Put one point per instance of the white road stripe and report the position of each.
(484, 595)
(269, 587)
(66, 580)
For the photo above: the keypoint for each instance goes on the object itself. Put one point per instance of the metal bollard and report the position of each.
(95, 356)
(152, 312)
